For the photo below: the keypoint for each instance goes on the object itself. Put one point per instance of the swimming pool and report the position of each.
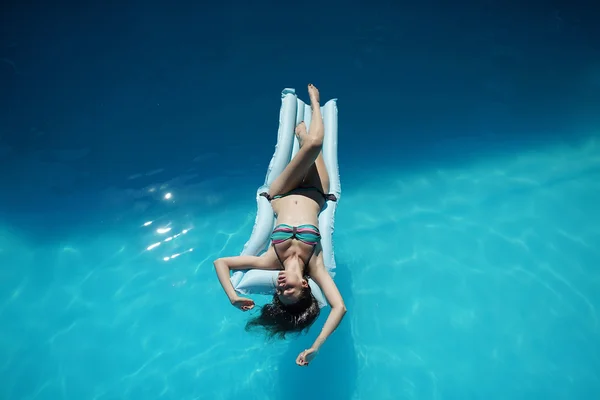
(132, 142)
(469, 282)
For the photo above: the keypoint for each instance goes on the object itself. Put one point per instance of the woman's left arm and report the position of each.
(224, 265)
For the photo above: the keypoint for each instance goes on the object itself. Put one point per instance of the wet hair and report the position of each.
(279, 319)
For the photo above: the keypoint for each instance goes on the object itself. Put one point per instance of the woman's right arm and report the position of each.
(226, 264)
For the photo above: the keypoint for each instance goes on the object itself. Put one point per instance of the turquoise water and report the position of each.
(464, 282)
(467, 237)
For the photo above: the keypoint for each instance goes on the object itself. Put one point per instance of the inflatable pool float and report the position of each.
(292, 112)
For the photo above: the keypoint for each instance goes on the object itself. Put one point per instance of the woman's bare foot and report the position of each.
(313, 93)
(301, 132)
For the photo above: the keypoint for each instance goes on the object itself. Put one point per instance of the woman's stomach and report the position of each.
(297, 209)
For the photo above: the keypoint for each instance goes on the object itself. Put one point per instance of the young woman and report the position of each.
(297, 195)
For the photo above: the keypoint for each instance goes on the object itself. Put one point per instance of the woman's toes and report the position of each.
(301, 128)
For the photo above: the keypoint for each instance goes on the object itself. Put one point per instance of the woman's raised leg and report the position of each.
(317, 175)
(311, 143)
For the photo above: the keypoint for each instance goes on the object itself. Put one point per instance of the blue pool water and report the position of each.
(467, 238)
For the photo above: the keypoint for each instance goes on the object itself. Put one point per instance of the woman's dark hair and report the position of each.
(279, 319)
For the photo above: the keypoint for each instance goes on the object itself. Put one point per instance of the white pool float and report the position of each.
(293, 111)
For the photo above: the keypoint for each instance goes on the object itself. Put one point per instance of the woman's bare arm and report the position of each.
(338, 309)
(226, 264)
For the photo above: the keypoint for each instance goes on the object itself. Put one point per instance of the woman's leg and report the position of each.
(317, 175)
(310, 148)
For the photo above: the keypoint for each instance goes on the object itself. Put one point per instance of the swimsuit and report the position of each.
(305, 233)
(328, 196)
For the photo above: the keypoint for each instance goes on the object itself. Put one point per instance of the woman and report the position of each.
(297, 196)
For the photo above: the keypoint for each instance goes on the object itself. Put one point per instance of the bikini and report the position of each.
(306, 233)
(328, 196)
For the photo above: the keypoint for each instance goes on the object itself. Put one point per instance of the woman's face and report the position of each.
(289, 286)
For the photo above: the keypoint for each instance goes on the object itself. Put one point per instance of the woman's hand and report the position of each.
(306, 356)
(242, 303)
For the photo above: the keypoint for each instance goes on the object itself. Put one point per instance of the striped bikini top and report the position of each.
(305, 233)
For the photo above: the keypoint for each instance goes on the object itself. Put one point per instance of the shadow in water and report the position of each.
(332, 374)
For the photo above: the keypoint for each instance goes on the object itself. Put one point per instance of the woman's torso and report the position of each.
(295, 210)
